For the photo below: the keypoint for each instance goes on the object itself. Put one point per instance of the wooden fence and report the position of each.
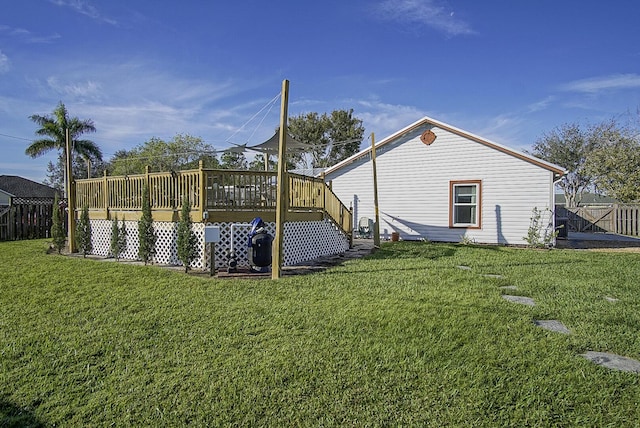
(620, 219)
(28, 218)
(214, 195)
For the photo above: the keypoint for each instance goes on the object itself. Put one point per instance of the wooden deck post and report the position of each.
(376, 225)
(202, 190)
(324, 195)
(277, 257)
(71, 197)
(105, 195)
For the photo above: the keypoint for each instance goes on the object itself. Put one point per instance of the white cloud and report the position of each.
(84, 7)
(540, 105)
(425, 12)
(5, 64)
(82, 90)
(27, 36)
(604, 83)
(385, 119)
(151, 103)
(504, 128)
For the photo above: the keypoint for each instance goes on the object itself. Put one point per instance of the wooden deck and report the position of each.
(214, 195)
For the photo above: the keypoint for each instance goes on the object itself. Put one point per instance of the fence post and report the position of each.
(202, 189)
(324, 196)
(105, 195)
(11, 227)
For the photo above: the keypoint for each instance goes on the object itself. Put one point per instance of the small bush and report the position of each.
(186, 237)
(83, 233)
(146, 235)
(540, 233)
(118, 238)
(57, 228)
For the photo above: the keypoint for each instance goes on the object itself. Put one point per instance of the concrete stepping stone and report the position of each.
(613, 361)
(509, 287)
(519, 299)
(552, 325)
(610, 299)
(493, 275)
(464, 267)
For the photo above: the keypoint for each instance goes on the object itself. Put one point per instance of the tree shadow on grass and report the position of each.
(12, 416)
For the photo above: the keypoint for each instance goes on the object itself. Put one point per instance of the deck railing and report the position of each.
(214, 195)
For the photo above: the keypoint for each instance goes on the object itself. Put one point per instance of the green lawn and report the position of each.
(403, 337)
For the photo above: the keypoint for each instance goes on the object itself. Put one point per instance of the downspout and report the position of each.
(553, 204)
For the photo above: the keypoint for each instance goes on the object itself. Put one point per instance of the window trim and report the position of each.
(452, 185)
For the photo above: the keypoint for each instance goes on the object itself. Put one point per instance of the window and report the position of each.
(466, 207)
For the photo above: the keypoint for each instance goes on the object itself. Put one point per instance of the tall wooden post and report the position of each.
(376, 225)
(202, 190)
(105, 196)
(277, 257)
(71, 196)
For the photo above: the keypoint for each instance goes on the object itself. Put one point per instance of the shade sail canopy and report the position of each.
(237, 148)
(273, 144)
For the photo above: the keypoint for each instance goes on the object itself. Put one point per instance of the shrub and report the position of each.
(83, 233)
(57, 228)
(118, 238)
(146, 235)
(540, 233)
(186, 237)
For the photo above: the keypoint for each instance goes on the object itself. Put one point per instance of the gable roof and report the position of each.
(24, 188)
(557, 170)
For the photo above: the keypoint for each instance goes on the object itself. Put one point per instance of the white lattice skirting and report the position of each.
(303, 241)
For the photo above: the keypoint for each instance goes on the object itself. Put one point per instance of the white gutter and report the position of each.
(553, 204)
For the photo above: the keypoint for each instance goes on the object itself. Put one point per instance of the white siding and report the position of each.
(4, 198)
(413, 188)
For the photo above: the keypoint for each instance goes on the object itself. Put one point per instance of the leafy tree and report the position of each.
(332, 138)
(56, 171)
(53, 130)
(615, 162)
(55, 175)
(146, 235)
(182, 152)
(257, 164)
(58, 233)
(345, 133)
(568, 146)
(186, 238)
(310, 129)
(118, 238)
(233, 160)
(603, 156)
(83, 232)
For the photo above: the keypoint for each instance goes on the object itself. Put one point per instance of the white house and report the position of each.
(441, 183)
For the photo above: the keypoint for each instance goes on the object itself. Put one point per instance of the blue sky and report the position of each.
(505, 70)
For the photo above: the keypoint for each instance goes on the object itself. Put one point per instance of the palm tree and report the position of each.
(54, 127)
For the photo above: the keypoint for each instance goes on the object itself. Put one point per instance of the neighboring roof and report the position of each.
(23, 188)
(557, 170)
(587, 199)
